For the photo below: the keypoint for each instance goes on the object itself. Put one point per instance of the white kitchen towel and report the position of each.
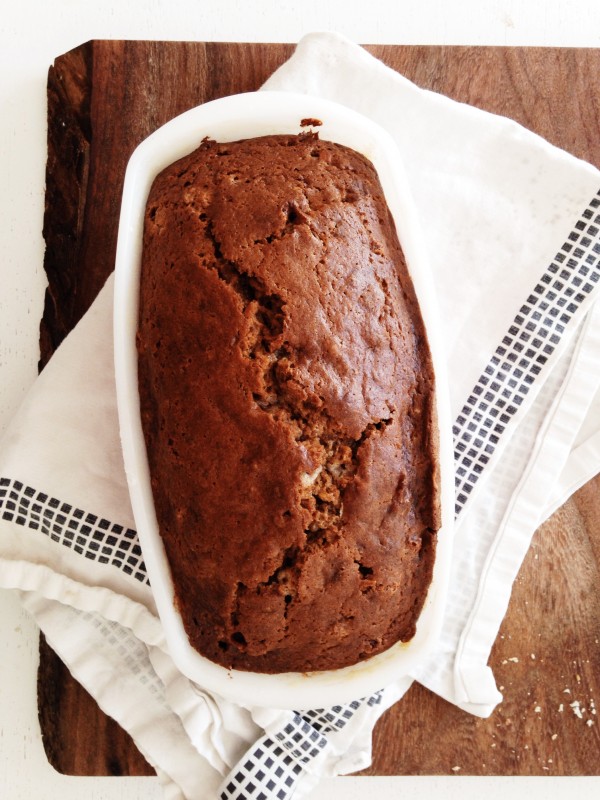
(512, 227)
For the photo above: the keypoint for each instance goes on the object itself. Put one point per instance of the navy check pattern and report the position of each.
(337, 717)
(266, 773)
(90, 536)
(517, 363)
(272, 766)
(521, 356)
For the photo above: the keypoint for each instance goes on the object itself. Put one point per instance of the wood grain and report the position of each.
(105, 97)
(78, 738)
(546, 657)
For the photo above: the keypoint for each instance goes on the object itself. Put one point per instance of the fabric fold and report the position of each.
(512, 229)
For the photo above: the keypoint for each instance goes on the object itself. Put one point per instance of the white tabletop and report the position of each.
(32, 34)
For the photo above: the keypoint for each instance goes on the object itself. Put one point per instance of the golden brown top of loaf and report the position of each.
(286, 394)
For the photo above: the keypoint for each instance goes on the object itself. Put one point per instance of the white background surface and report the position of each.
(32, 34)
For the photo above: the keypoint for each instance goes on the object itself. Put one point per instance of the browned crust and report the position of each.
(287, 404)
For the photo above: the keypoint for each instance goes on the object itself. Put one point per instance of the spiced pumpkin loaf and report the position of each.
(287, 404)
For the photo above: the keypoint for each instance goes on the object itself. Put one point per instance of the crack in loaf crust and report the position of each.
(286, 392)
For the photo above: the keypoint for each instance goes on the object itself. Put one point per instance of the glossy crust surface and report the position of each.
(287, 404)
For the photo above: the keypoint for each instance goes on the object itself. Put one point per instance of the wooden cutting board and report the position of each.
(103, 99)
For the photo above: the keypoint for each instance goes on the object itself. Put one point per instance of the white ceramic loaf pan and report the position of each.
(228, 119)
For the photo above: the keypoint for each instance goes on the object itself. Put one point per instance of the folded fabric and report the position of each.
(512, 227)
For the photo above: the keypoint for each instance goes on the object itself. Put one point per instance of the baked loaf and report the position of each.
(287, 404)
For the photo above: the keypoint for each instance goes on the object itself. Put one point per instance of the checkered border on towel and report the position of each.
(518, 360)
(272, 766)
(528, 344)
(495, 399)
(91, 536)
